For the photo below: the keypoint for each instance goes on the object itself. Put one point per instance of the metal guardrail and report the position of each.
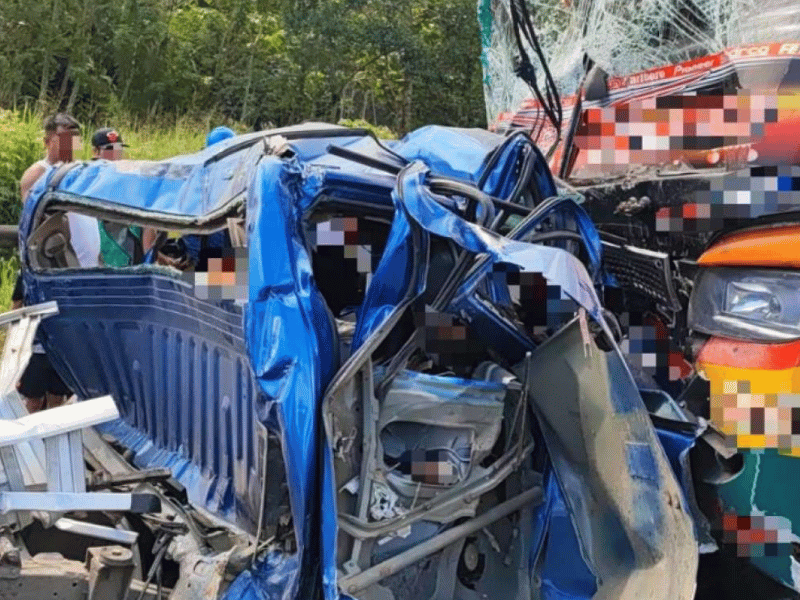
(8, 236)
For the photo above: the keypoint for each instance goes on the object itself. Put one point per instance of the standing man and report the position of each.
(120, 245)
(62, 137)
(54, 128)
(107, 144)
(40, 385)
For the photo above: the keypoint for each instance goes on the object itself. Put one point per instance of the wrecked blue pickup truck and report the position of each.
(417, 395)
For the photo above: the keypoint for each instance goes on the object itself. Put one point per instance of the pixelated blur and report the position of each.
(757, 421)
(431, 467)
(749, 137)
(742, 194)
(67, 144)
(221, 274)
(704, 130)
(446, 339)
(649, 347)
(542, 307)
(757, 536)
(342, 238)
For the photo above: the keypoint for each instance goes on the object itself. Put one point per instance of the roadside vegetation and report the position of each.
(9, 265)
(396, 63)
(164, 72)
(21, 146)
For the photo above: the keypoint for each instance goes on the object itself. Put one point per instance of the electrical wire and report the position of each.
(549, 99)
(162, 543)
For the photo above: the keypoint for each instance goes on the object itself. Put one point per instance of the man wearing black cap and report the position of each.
(120, 245)
(107, 144)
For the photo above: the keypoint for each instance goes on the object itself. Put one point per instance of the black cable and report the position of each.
(558, 234)
(495, 156)
(444, 185)
(367, 161)
(568, 153)
(550, 87)
(162, 544)
(523, 183)
(549, 101)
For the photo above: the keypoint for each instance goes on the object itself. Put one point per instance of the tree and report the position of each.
(399, 63)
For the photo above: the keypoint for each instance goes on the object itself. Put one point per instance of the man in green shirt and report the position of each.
(120, 245)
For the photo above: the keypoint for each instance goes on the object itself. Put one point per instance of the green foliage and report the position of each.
(397, 63)
(164, 72)
(153, 142)
(20, 146)
(381, 132)
(9, 266)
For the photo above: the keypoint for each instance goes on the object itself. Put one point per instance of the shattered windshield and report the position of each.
(623, 37)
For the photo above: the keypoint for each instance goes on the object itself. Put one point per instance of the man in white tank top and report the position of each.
(40, 385)
(62, 137)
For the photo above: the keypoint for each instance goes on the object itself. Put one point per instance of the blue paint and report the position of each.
(269, 579)
(625, 395)
(645, 478)
(192, 378)
(557, 558)
(178, 370)
(641, 462)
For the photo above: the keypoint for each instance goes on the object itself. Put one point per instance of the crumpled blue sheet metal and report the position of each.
(500, 180)
(396, 282)
(554, 264)
(449, 151)
(553, 539)
(636, 534)
(177, 368)
(294, 373)
(192, 185)
(424, 211)
(291, 338)
(678, 440)
(288, 330)
(272, 578)
(184, 185)
(469, 297)
(417, 209)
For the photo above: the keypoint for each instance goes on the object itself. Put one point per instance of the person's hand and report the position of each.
(182, 263)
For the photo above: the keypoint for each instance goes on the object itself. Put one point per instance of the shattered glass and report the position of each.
(622, 37)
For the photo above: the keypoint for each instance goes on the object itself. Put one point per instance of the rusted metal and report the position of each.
(53, 576)
(110, 572)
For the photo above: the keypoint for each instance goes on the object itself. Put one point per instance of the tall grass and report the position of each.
(21, 145)
(156, 141)
(9, 267)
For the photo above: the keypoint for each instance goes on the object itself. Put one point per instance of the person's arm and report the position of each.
(18, 296)
(148, 238)
(29, 178)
